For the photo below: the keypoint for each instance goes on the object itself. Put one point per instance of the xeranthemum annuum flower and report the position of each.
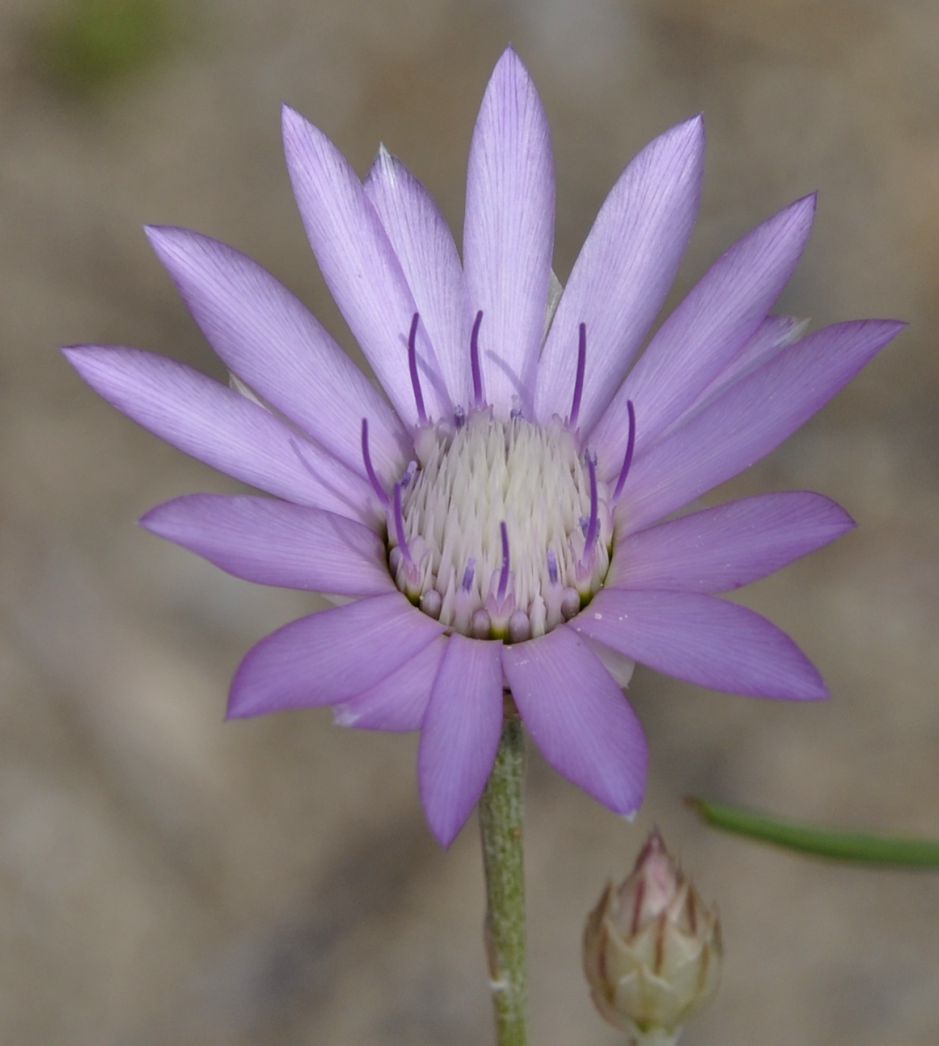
(494, 520)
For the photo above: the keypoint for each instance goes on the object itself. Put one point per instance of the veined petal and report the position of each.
(398, 702)
(748, 420)
(702, 640)
(328, 657)
(623, 274)
(460, 733)
(360, 267)
(276, 543)
(275, 345)
(508, 234)
(579, 717)
(723, 548)
(773, 334)
(706, 331)
(220, 427)
(425, 248)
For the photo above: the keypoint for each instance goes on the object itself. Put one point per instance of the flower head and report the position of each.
(493, 516)
(652, 949)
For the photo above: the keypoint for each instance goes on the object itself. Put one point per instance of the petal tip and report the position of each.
(510, 69)
(157, 233)
(240, 705)
(802, 211)
(693, 130)
(163, 238)
(156, 521)
(445, 834)
(293, 126)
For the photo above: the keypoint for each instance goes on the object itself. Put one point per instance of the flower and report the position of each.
(495, 522)
(652, 949)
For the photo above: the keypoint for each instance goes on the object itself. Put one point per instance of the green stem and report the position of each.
(822, 842)
(501, 811)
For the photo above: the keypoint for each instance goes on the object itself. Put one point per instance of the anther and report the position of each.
(630, 447)
(579, 379)
(469, 573)
(593, 524)
(369, 468)
(399, 525)
(474, 361)
(412, 367)
(552, 566)
(432, 603)
(504, 576)
(459, 416)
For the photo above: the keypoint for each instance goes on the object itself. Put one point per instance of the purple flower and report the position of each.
(496, 521)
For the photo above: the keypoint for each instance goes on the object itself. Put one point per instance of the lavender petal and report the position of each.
(359, 265)
(623, 274)
(276, 346)
(702, 640)
(508, 235)
(579, 717)
(276, 543)
(328, 657)
(220, 427)
(723, 548)
(460, 733)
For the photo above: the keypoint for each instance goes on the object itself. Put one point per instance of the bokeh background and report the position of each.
(167, 878)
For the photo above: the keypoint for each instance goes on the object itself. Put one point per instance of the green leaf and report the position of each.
(820, 842)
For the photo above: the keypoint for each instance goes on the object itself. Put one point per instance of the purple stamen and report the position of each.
(399, 526)
(552, 567)
(474, 361)
(630, 447)
(369, 468)
(412, 367)
(504, 576)
(469, 573)
(409, 473)
(579, 380)
(593, 526)
(459, 416)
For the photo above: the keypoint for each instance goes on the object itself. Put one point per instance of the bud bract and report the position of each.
(652, 949)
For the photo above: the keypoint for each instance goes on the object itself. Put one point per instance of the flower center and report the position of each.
(503, 530)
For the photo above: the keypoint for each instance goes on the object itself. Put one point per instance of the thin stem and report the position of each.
(501, 812)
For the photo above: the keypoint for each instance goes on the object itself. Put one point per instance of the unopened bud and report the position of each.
(652, 950)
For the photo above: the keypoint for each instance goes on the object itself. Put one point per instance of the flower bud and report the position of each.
(652, 950)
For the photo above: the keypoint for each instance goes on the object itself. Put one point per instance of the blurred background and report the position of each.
(167, 878)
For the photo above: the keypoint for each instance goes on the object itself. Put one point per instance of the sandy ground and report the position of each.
(166, 878)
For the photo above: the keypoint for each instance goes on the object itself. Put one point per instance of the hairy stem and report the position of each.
(501, 811)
